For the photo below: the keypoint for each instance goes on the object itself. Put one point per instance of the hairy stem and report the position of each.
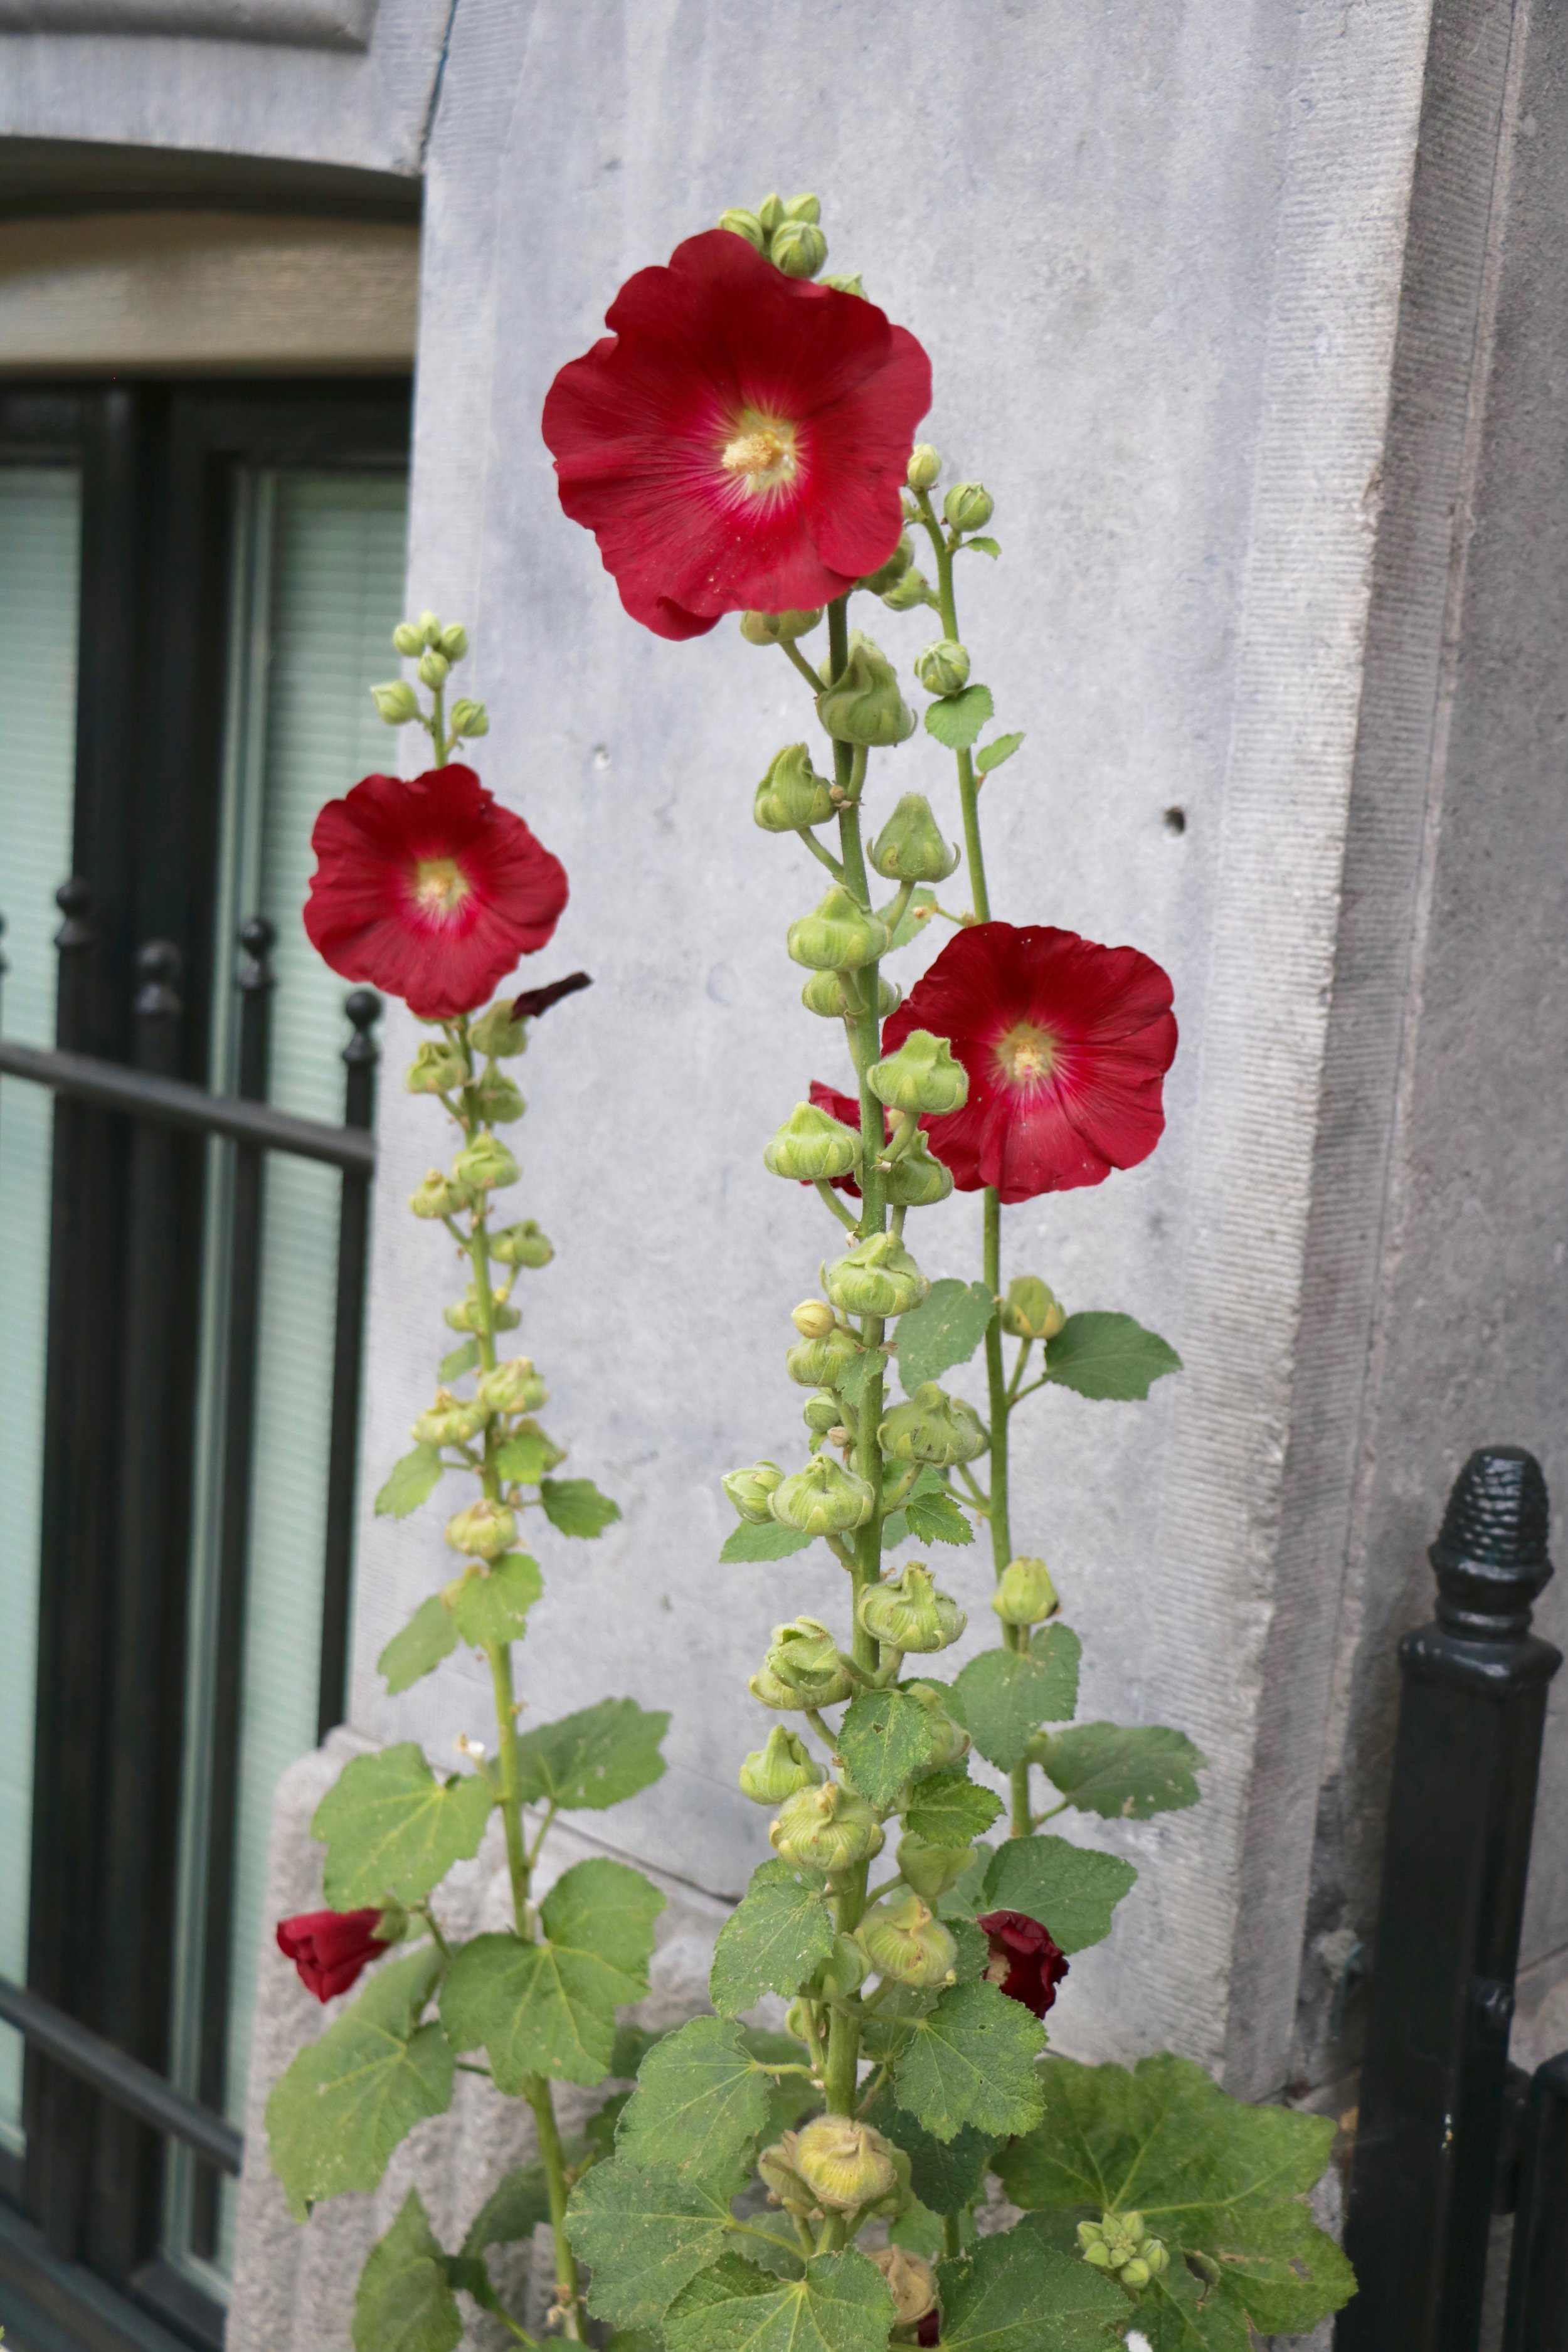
(568, 2293)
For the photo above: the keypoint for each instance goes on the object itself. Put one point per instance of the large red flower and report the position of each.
(739, 440)
(1026, 1962)
(1065, 1044)
(429, 890)
(329, 1948)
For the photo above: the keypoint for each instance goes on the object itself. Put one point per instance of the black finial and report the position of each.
(1490, 1554)
(363, 1007)
(257, 937)
(157, 970)
(74, 899)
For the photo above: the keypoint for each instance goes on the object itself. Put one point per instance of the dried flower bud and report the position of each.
(512, 1387)
(888, 575)
(434, 668)
(749, 1490)
(450, 1421)
(814, 1318)
(522, 1245)
(822, 1363)
(485, 1164)
(743, 223)
(828, 1829)
(470, 718)
(812, 1145)
(910, 1614)
(498, 1033)
(778, 628)
(803, 1657)
(933, 1427)
(798, 248)
(943, 668)
(922, 1076)
(782, 2181)
(910, 847)
(439, 1197)
(792, 794)
(823, 993)
(917, 1179)
(864, 704)
(823, 1500)
(1026, 1595)
(907, 1943)
(438, 1069)
(845, 2163)
(951, 1739)
(910, 2280)
(877, 1277)
(781, 1769)
(838, 935)
(485, 1529)
(968, 506)
(932, 1870)
(925, 465)
(396, 702)
(1031, 1310)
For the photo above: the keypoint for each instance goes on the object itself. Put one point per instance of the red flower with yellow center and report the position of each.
(738, 441)
(1067, 1046)
(430, 890)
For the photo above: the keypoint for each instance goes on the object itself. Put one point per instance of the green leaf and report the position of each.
(911, 922)
(993, 755)
(700, 2102)
(1178, 2313)
(1107, 1356)
(750, 1541)
(526, 1458)
(428, 1638)
(937, 1519)
(1210, 2174)
(947, 1807)
(514, 2209)
(412, 1480)
(494, 1608)
(1003, 1697)
(1017, 2293)
(774, 1938)
(594, 1759)
(645, 2233)
(550, 2008)
(1070, 1889)
(884, 1735)
(790, 2099)
(391, 1828)
(945, 1329)
(985, 546)
(348, 2099)
(972, 2061)
(402, 2302)
(633, 2043)
(946, 2176)
(958, 718)
(574, 1506)
(1123, 1773)
(859, 1373)
(464, 1357)
(842, 2305)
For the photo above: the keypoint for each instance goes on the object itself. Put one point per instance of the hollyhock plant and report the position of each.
(332, 1949)
(1067, 1046)
(1026, 1961)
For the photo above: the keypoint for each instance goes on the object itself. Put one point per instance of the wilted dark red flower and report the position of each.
(1067, 1046)
(845, 1109)
(329, 1948)
(1026, 1960)
(738, 441)
(929, 2329)
(535, 1001)
(430, 890)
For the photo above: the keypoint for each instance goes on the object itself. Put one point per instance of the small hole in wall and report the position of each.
(1175, 820)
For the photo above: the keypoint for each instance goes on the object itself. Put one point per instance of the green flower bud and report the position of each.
(749, 1490)
(470, 718)
(1031, 1310)
(822, 1363)
(910, 847)
(778, 628)
(845, 2163)
(469, 1316)
(908, 595)
(496, 1034)
(905, 1943)
(485, 1529)
(436, 1069)
(933, 1427)
(1026, 1595)
(968, 506)
(522, 1245)
(864, 706)
(792, 794)
(799, 248)
(877, 1277)
(814, 1318)
(497, 1099)
(846, 284)
(952, 1739)
(925, 465)
(922, 1076)
(802, 208)
(844, 1971)
(766, 1686)
(429, 626)
(823, 1500)
(943, 668)
(1094, 2248)
(485, 1164)
(804, 1656)
(512, 1387)
(396, 702)
(454, 641)
(746, 224)
(434, 668)
(782, 2181)
(812, 1144)
(888, 575)
(1135, 2273)
(771, 213)
(824, 992)
(781, 1769)
(829, 1828)
(822, 1413)
(910, 2280)
(450, 1421)
(439, 1197)
(910, 1614)
(917, 1179)
(932, 1870)
(409, 638)
(838, 935)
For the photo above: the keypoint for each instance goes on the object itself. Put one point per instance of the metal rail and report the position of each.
(174, 1102)
(126, 2081)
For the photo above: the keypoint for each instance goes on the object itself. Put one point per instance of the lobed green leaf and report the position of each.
(428, 1638)
(993, 755)
(349, 2099)
(526, 1458)
(594, 1759)
(1003, 1697)
(946, 2175)
(410, 1483)
(1109, 1356)
(392, 1829)
(750, 1541)
(700, 2103)
(885, 1737)
(911, 922)
(645, 2232)
(957, 719)
(947, 1807)
(986, 546)
(841, 2305)
(404, 2301)
(464, 1357)
(514, 2209)
(774, 1938)
(945, 1329)
(972, 2061)
(574, 1506)
(937, 1519)
(1123, 1773)
(1070, 1889)
(1016, 2292)
(494, 1607)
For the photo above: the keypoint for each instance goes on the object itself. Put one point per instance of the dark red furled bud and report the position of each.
(929, 2329)
(1026, 1960)
(329, 1948)
(535, 1001)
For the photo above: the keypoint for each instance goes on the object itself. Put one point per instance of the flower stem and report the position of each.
(968, 788)
(568, 2293)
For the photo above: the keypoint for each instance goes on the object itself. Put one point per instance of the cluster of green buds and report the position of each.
(1118, 2244)
(788, 231)
(437, 647)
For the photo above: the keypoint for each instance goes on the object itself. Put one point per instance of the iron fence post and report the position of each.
(360, 1056)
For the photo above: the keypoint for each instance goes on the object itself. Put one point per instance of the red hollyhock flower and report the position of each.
(738, 441)
(845, 1109)
(1026, 1960)
(329, 1948)
(430, 890)
(929, 2329)
(1065, 1044)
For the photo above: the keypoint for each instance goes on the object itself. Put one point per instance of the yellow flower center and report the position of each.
(760, 455)
(1026, 1055)
(440, 886)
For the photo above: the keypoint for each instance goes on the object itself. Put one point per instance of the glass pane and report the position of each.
(40, 537)
(321, 586)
